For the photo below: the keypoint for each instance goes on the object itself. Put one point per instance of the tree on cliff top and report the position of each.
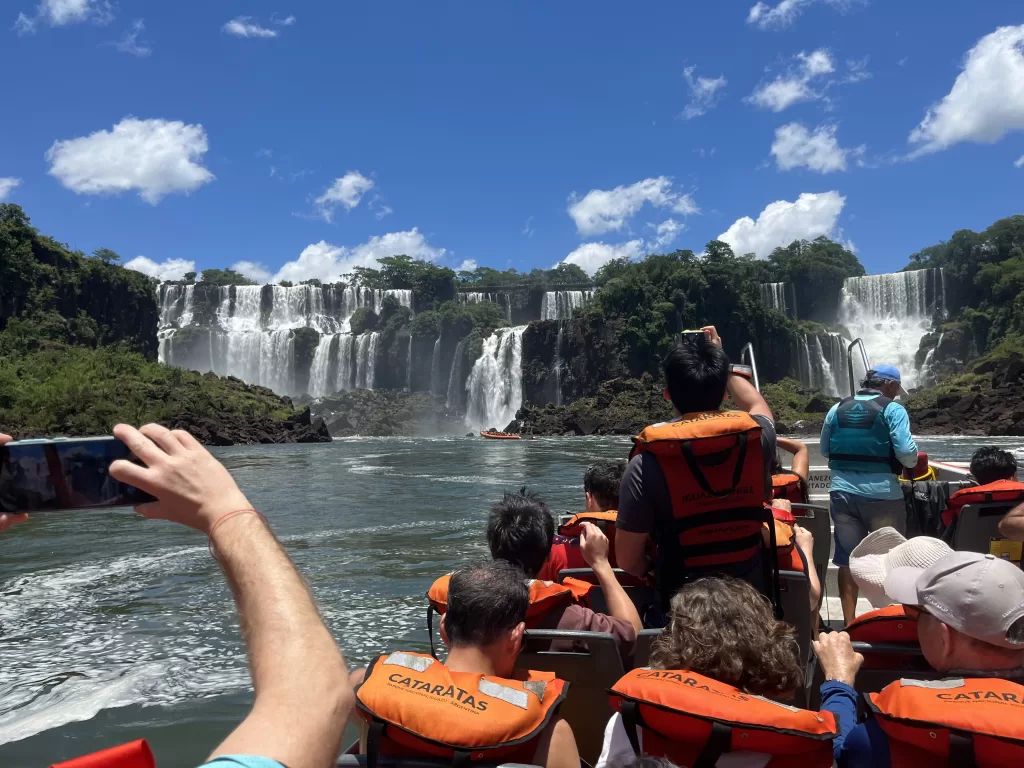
(225, 277)
(817, 269)
(107, 256)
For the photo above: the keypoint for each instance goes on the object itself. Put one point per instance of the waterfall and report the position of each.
(558, 366)
(560, 305)
(892, 313)
(252, 334)
(501, 299)
(928, 376)
(495, 384)
(820, 363)
(408, 366)
(828, 379)
(781, 297)
(435, 369)
(454, 399)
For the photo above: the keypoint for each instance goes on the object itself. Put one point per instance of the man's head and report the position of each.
(989, 464)
(696, 375)
(520, 529)
(971, 610)
(601, 484)
(885, 379)
(487, 607)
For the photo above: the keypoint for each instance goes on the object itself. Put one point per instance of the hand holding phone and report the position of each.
(190, 486)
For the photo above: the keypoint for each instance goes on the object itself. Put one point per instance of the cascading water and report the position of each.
(495, 384)
(928, 376)
(501, 299)
(453, 399)
(781, 297)
(891, 313)
(408, 366)
(820, 362)
(252, 336)
(435, 369)
(559, 305)
(557, 365)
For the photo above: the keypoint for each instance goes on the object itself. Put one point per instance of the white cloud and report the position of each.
(59, 13)
(603, 210)
(244, 26)
(156, 157)
(467, 266)
(287, 21)
(784, 13)
(796, 84)
(796, 147)
(383, 211)
(346, 191)
(528, 229)
(130, 42)
(782, 222)
(253, 270)
(7, 185)
(170, 269)
(987, 99)
(592, 256)
(666, 232)
(1018, 164)
(328, 262)
(703, 91)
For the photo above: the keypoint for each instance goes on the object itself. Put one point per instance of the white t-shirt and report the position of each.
(617, 751)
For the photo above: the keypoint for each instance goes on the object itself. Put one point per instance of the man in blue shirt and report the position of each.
(867, 440)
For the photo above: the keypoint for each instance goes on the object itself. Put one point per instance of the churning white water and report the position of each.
(495, 384)
(891, 313)
(252, 334)
(559, 305)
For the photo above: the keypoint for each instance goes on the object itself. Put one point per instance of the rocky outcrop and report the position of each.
(301, 428)
(386, 413)
(989, 401)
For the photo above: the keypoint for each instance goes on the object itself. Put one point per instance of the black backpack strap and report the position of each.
(631, 722)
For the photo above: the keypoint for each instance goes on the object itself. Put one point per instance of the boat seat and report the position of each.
(889, 662)
(817, 519)
(641, 595)
(796, 608)
(978, 524)
(385, 761)
(590, 673)
(644, 643)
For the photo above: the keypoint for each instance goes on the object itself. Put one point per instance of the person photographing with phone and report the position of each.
(698, 485)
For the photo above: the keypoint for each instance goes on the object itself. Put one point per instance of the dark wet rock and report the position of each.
(385, 413)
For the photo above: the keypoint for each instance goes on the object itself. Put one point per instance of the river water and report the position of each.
(113, 627)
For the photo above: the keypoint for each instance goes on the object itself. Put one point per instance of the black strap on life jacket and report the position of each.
(719, 740)
(461, 758)
(961, 750)
(691, 461)
(631, 722)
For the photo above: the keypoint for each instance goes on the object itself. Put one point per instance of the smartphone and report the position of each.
(693, 334)
(64, 473)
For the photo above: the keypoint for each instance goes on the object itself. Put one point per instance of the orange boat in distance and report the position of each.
(500, 436)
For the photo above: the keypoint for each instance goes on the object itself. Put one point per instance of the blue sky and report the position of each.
(301, 138)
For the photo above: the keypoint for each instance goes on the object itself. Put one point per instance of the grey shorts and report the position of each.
(854, 517)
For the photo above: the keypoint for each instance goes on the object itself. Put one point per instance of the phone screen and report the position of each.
(41, 475)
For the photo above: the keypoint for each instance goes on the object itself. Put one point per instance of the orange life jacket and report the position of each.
(1008, 491)
(789, 486)
(417, 706)
(787, 553)
(134, 755)
(714, 468)
(889, 625)
(689, 718)
(976, 721)
(545, 596)
(572, 528)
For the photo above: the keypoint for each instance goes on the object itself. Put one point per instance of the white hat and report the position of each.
(885, 549)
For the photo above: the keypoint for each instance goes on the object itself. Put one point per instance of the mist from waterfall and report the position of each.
(891, 313)
(560, 305)
(251, 335)
(495, 384)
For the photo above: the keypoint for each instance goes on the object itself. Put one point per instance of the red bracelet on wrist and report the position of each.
(221, 519)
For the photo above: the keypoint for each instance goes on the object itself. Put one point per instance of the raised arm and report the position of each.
(303, 695)
(7, 520)
(741, 392)
(801, 457)
(595, 545)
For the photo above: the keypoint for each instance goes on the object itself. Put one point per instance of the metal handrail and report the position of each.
(749, 351)
(849, 362)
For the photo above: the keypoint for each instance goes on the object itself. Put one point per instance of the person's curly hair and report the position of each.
(723, 628)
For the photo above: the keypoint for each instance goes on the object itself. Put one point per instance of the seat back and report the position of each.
(385, 761)
(816, 519)
(796, 608)
(640, 594)
(644, 643)
(978, 525)
(591, 665)
(885, 663)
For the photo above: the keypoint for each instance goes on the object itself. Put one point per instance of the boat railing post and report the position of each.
(747, 354)
(858, 342)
